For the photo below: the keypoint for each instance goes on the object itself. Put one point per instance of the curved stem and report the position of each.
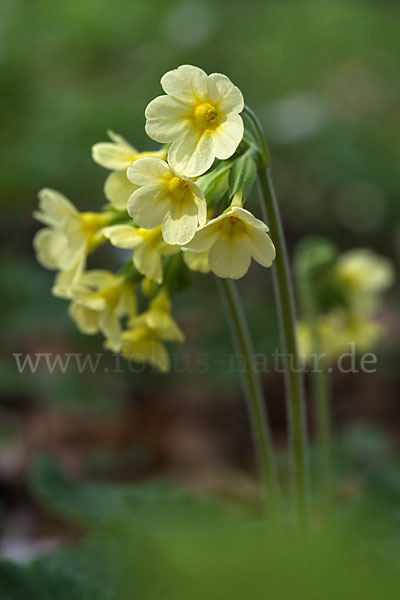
(258, 130)
(287, 320)
(253, 392)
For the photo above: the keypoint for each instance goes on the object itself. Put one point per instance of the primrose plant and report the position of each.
(176, 209)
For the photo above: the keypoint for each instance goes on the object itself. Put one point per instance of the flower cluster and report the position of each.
(177, 208)
(348, 297)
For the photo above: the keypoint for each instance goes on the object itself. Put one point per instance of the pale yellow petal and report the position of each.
(161, 301)
(197, 261)
(117, 189)
(127, 305)
(55, 250)
(54, 208)
(165, 327)
(148, 171)
(120, 140)
(248, 217)
(155, 354)
(123, 236)
(227, 137)
(113, 156)
(85, 319)
(166, 119)
(158, 357)
(222, 92)
(148, 206)
(204, 238)
(48, 244)
(88, 298)
(99, 278)
(111, 329)
(75, 245)
(186, 83)
(361, 270)
(261, 247)
(180, 223)
(147, 260)
(192, 154)
(66, 280)
(229, 258)
(201, 204)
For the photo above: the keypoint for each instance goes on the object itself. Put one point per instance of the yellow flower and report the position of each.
(232, 239)
(68, 237)
(65, 280)
(100, 300)
(336, 331)
(118, 155)
(197, 261)
(142, 342)
(166, 197)
(364, 272)
(199, 115)
(148, 246)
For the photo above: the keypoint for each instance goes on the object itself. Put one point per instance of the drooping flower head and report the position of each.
(118, 155)
(100, 300)
(69, 236)
(336, 331)
(362, 271)
(142, 342)
(347, 295)
(232, 240)
(199, 115)
(165, 197)
(148, 245)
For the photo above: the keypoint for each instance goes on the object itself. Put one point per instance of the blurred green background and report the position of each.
(323, 77)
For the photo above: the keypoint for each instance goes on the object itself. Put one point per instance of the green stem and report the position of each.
(253, 392)
(319, 387)
(287, 319)
(322, 406)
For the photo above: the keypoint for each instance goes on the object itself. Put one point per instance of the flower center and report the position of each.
(111, 295)
(352, 279)
(151, 237)
(91, 224)
(142, 333)
(179, 188)
(206, 116)
(232, 226)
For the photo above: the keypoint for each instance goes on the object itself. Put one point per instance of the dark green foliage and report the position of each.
(41, 581)
(152, 540)
(95, 504)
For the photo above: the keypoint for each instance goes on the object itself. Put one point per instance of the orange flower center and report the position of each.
(206, 116)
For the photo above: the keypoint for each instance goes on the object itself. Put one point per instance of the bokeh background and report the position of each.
(323, 77)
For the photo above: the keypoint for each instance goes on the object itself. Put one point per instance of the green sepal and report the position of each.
(243, 173)
(130, 273)
(214, 184)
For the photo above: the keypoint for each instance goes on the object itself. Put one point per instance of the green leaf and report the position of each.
(45, 582)
(152, 505)
(243, 173)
